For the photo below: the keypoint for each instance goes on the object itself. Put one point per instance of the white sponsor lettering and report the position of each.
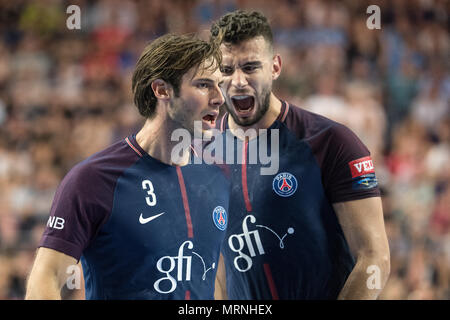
(178, 261)
(55, 222)
(366, 165)
(248, 241)
(246, 235)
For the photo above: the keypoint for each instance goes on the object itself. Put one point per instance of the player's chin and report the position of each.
(207, 134)
(245, 121)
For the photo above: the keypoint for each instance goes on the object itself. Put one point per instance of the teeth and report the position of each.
(240, 97)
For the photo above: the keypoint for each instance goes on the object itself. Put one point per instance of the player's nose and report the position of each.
(217, 98)
(239, 79)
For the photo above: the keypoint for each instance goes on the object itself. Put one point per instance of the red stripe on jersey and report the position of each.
(361, 166)
(282, 111)
(133, 147)
(273, 288)
(248, 205)
(187, 295)
(187, 211)
(285, 112)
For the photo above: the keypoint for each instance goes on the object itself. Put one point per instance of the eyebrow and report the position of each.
(207, 80)
(204, 80)
(252, 63)
(248, 63)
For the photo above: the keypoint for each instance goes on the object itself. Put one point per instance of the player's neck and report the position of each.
(154, 138)
(265, 122)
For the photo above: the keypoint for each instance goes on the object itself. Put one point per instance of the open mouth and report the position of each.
(243, 104)
(210, 119)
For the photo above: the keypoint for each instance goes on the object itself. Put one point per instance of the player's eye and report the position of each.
(226, 70)
(249, 68)
(202, 85)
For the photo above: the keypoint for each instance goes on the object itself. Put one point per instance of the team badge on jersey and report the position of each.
(220, 218)
(284, 184)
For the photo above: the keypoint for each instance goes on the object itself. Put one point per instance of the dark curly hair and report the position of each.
(241, 25)
(168, 58)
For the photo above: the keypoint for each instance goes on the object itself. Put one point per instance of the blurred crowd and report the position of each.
(65, 94)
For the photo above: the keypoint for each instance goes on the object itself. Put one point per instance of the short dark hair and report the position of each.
(168, 58)
(241, 25)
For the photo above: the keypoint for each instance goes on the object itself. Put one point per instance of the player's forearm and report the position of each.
(367, 279)
(43, 292)
(43, 287)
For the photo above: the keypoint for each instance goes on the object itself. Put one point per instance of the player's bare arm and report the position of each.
(363, 226)
(48, 275)
(220, 292)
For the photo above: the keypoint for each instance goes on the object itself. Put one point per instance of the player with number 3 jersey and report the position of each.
(144, 225)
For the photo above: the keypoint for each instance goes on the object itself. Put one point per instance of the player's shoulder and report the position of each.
(102, 166)
(307, 125)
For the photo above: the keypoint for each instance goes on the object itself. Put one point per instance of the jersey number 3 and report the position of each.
(151, 199)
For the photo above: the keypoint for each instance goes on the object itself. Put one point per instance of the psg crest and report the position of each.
(220, 218)
(284, 184)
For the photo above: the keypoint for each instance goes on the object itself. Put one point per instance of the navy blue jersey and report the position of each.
(284, 240)
(143, 229)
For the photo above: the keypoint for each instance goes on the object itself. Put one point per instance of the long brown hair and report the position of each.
(168, 58)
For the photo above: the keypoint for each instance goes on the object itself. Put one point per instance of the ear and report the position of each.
(276, 66)
(161, 89)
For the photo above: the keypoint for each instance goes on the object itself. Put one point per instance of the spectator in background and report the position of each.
(431, 106)
(327, 101)
(365, 116)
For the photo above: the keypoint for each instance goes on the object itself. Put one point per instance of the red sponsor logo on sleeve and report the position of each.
(361, 166)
